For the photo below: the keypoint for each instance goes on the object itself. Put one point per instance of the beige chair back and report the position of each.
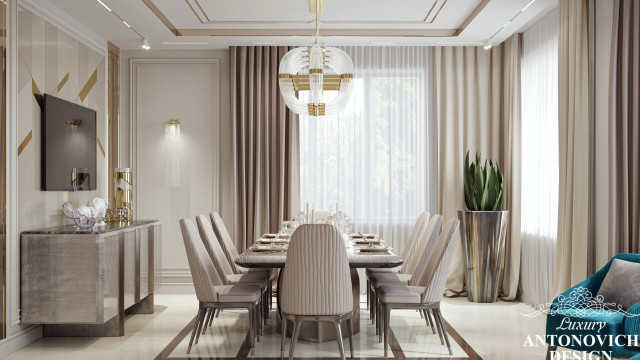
(434, 276)
(203, 271)
(316, 278)
(412, 240)
(213, 247)
(223, 235)
(424, 249)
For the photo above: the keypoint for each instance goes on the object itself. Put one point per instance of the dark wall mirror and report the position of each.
(68, 146)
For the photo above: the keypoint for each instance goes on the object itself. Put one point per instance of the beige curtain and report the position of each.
(478, 108)
(265, 143)
(624, 144)
(573, 134)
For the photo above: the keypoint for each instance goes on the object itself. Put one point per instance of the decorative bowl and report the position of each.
(82, 221)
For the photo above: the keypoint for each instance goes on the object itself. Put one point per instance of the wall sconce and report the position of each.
(172, 153)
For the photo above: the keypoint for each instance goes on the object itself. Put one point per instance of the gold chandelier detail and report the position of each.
(316, 59)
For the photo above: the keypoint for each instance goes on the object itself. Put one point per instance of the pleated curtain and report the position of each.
(624, 131)
(478, 108)
(573, 135)
(539, 159)
(265, 144)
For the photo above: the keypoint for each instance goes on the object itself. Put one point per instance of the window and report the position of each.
(375, 158)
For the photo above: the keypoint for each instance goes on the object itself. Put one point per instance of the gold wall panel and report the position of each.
(86, 89)
(62, 82)
(25, 142)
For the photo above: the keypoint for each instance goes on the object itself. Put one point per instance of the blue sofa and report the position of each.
(613, 322)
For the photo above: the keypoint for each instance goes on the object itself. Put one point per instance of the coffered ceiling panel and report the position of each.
(208, 14)
(210, 24)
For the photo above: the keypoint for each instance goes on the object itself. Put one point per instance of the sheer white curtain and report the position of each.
(539, 159)
(376, 159)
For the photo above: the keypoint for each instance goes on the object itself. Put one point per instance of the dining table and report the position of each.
(364, 251)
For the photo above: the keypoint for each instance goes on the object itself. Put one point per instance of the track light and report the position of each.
(145, 44)
(103, 4)
(487, 45)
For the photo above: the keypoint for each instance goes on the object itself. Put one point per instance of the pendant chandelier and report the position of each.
(316, 59)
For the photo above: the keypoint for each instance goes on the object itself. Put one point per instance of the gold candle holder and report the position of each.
(123, 209)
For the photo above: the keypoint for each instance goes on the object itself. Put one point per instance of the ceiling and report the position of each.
(214, 24)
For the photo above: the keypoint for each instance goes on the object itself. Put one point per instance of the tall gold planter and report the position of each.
(483, 235)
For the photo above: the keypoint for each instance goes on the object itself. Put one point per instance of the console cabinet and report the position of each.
(81, 283)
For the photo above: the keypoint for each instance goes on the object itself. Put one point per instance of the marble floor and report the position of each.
(492, 331)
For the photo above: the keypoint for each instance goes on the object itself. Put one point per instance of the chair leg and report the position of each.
(195, 329)
(386, 321)
(336, 325)
(428, 314)
(252, 328)
(258, 311)
(368, 296)
(438, 314)
(216, 313)
(374, 301)
(350, 329)
(440, 330)
(550, 349)
(294, 337)
(284, 335)
(420, 312)
(210, 312)
(200, 324)
(380, 320)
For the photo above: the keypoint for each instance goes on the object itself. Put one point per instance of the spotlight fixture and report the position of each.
(145, 44)
(487, 45)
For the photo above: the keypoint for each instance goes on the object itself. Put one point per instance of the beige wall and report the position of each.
(174, 261)
(53, 62)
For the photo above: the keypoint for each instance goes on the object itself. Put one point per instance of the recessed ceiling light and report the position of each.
(103, 4)
(185, 43)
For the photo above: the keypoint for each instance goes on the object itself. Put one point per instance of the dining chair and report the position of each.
(316, 283)
(428, 292)
(223, 267)
(406, 255)
(228, 246)
(417, 263)
(212, 294)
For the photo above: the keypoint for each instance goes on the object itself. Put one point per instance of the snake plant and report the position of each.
(483, 185)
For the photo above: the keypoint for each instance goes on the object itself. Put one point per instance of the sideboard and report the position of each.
(82, 282)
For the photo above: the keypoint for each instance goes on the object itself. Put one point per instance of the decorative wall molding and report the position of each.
(134, 65)
(19, 340)
(66, 23)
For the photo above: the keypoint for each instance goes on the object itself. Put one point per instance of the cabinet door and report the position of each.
(143, 240)
(110, 275)
(156, 264)
(130, 267)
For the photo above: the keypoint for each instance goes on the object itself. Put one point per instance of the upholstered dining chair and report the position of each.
(211, 292)
(229, 247)
(224, 269)
(316, 283)
(407, 254)
(429, 290)
(416, 266)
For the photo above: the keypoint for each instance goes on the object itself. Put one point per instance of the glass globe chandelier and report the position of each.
(316, 59)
